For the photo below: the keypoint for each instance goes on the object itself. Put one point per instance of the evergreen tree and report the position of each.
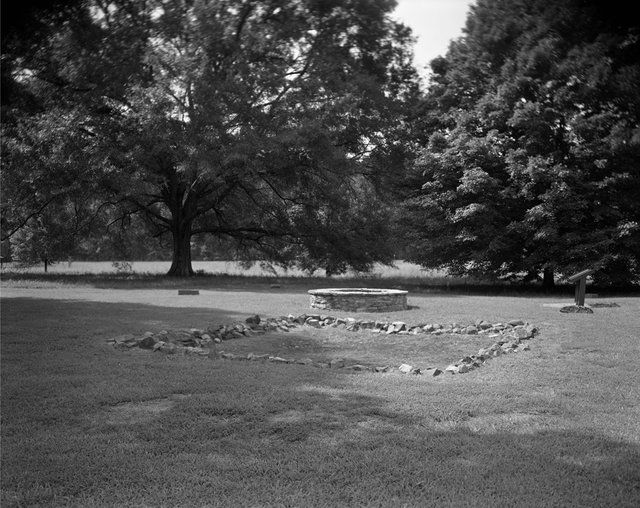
(532, 163)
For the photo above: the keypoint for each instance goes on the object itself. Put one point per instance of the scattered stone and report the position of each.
(255, 358)
(507, 339)
(197, 351)
(253, 320)
(357, 367)
(147, 343)
(353, 326)
(521, 333)
(399, 325)
(166, 347)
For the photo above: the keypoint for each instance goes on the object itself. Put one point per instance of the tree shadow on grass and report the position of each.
(383, 456)
(80, 315)
(260, 439)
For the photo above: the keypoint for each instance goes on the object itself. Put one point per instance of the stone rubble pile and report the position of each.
(507, 338)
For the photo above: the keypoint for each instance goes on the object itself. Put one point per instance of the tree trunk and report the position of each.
(46, 265)
(181, 260)
(548, 280)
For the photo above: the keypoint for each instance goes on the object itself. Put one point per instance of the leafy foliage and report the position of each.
(242, 120)
(533, 128)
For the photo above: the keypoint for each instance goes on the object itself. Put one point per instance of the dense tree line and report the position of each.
(297, 132)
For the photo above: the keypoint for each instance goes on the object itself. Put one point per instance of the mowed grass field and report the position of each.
(84, 424)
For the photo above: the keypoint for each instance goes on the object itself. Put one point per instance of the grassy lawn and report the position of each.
(362, 347)
(84, 424)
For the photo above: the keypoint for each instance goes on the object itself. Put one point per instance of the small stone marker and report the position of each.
(188, 291)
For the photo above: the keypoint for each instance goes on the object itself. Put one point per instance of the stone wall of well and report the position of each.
(359, 302)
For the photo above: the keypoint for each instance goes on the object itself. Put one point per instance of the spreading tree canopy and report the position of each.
(267, 122)
(531, 155)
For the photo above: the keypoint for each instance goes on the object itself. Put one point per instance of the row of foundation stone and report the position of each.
(507, 338)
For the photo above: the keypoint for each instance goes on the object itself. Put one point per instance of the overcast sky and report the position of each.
(435, 23)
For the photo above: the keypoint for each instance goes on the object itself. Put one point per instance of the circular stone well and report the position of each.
(359, 299)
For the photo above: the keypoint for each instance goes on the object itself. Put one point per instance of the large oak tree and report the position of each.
(260, 121)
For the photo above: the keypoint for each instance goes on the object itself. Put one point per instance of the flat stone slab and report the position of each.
(593, 305)
(188, 291)
(359, 299)
(576, 309)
